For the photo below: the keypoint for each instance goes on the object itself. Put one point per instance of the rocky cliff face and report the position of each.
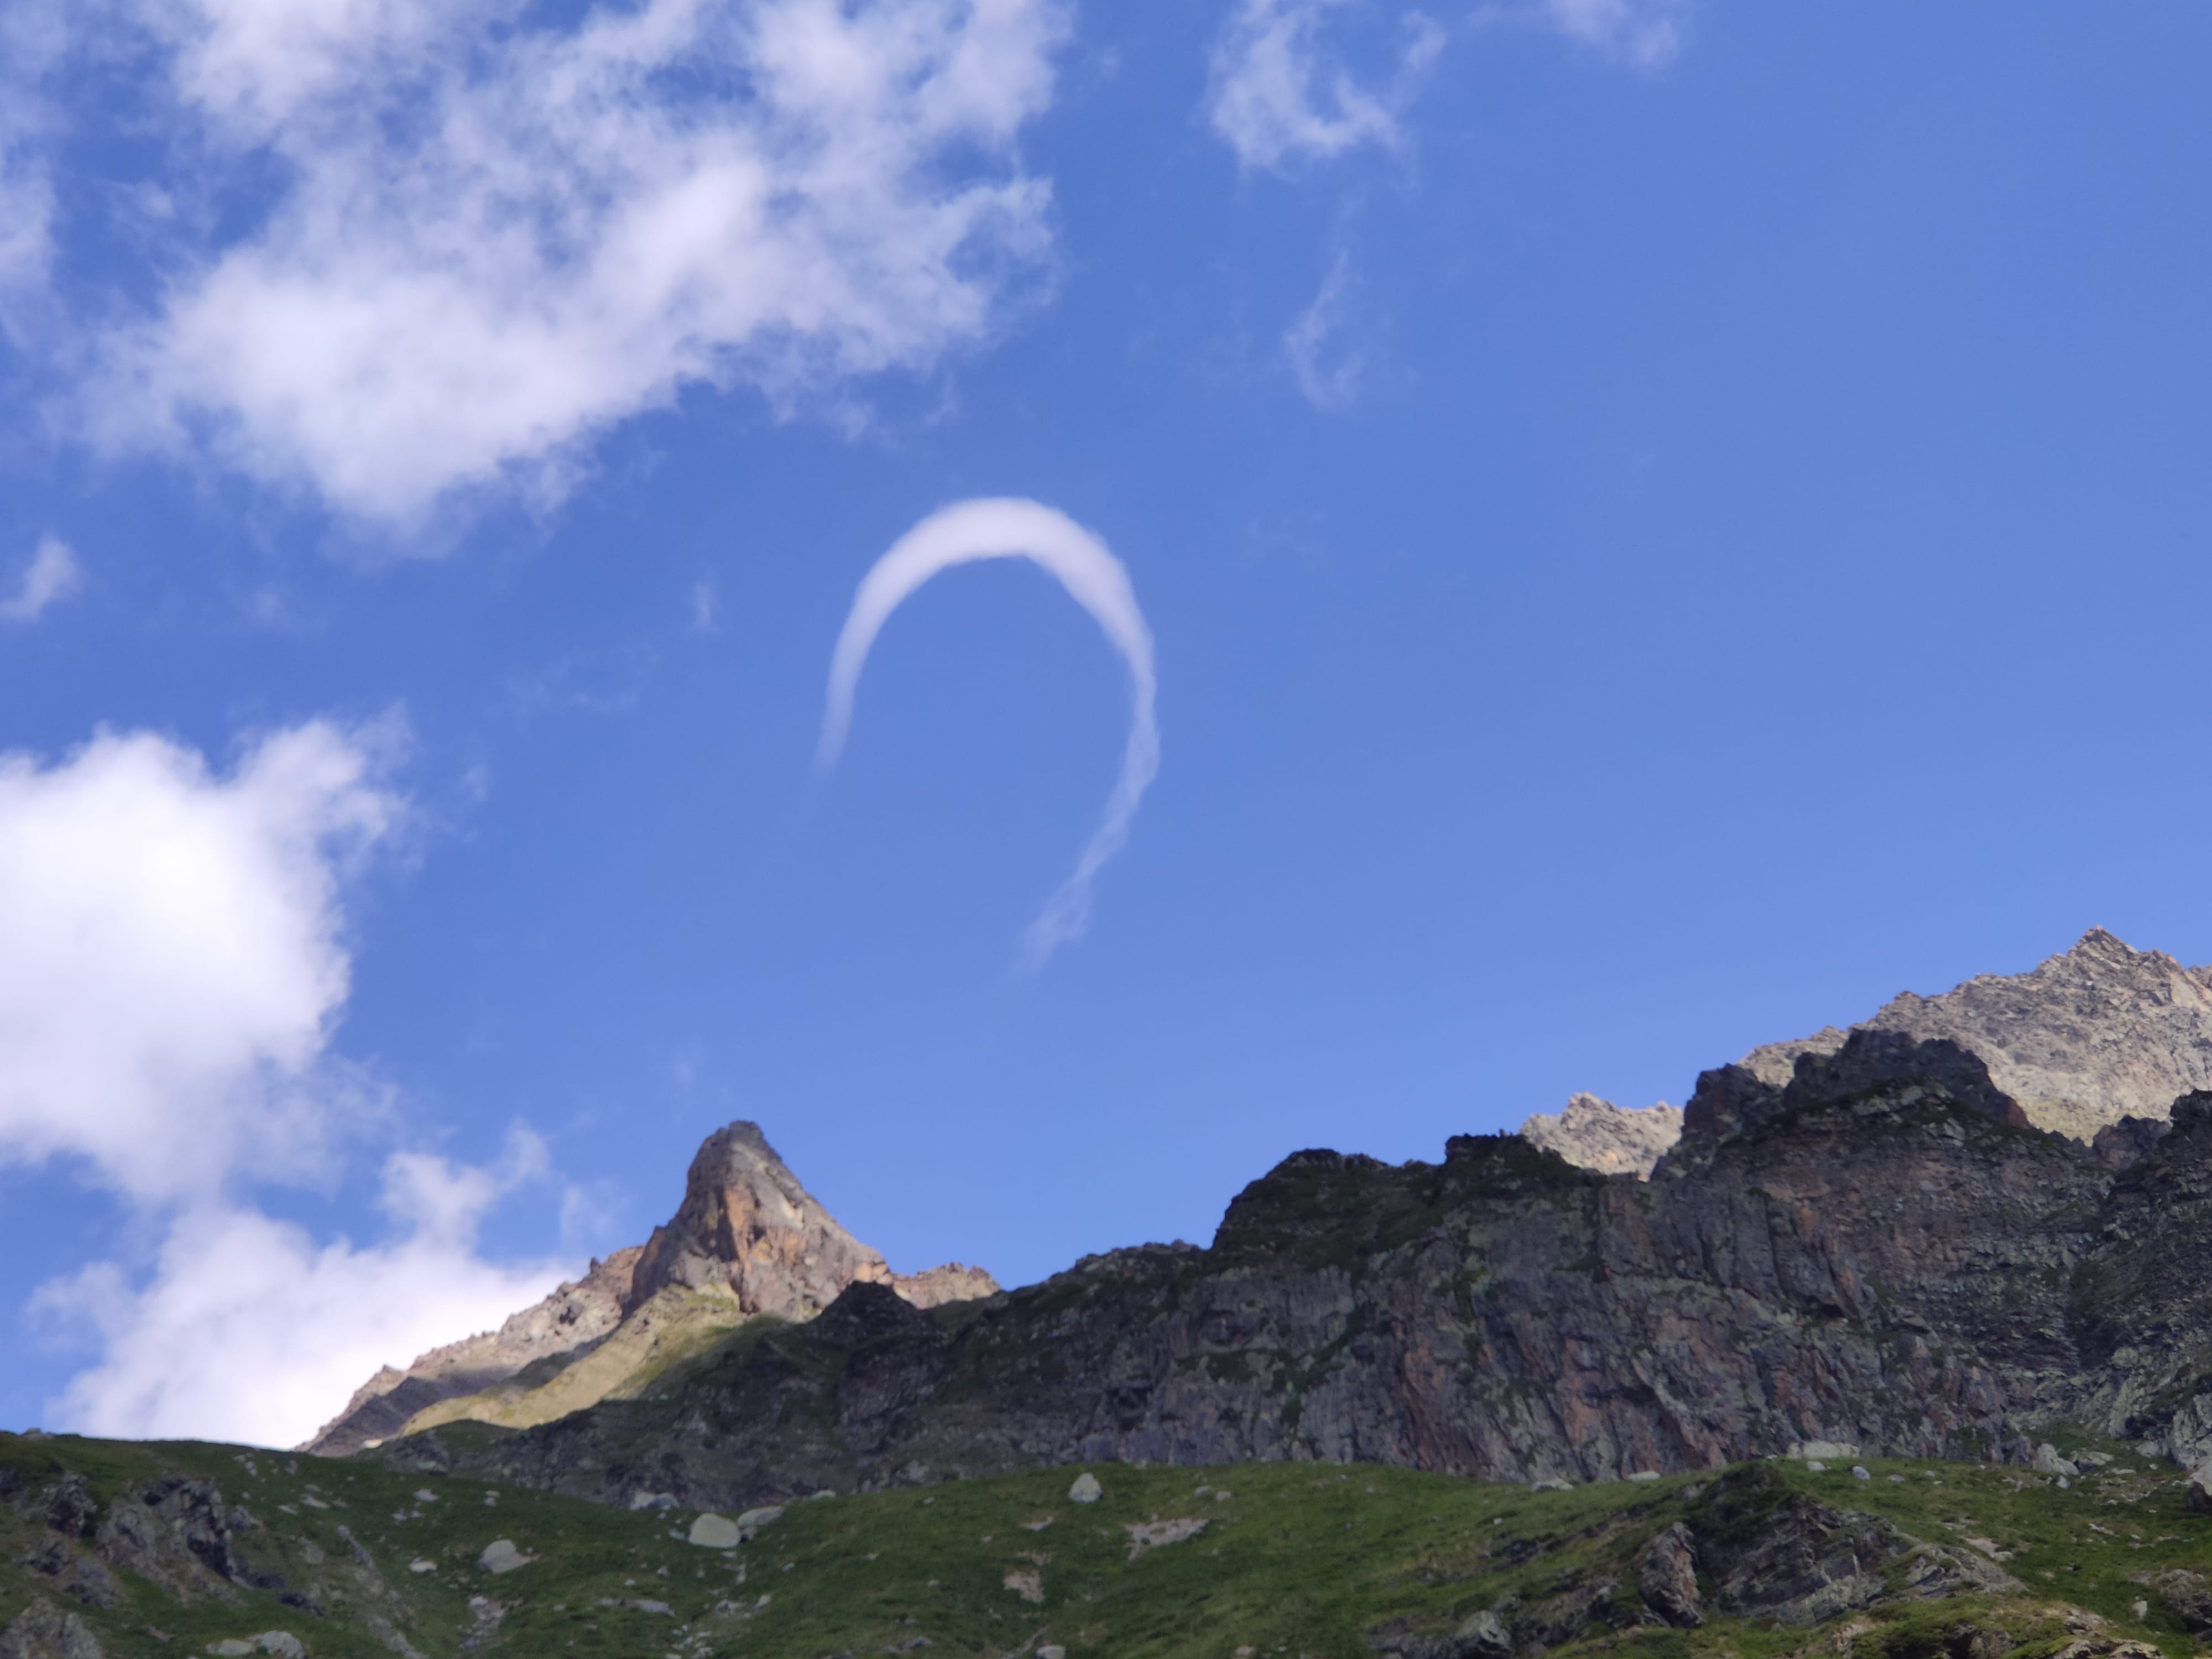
(1882, 1251)
(2098, 1033)
(748, 1239)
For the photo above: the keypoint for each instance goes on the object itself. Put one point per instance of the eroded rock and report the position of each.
(43, 1631)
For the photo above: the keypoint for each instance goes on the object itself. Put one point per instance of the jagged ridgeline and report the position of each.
(1894, 1341)
(1864, 1238)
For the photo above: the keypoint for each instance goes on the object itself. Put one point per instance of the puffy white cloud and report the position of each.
(173, 956)
(173, 959)
(490, 237)
(174, 965)
(51, 577)
(1279, 95)
(250, 1331)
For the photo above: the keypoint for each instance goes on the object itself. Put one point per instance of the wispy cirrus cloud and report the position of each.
(51, 576)
(479, 239)
(1281, 92)
(1644, 33)
(1327, 371)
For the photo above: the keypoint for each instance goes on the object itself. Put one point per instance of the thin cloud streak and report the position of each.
(1305, 343)
(1002, 528)
(51, 576)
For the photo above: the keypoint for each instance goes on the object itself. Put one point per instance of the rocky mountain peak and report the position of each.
(746, 1226)
(747, 1239)
(2090, 1037)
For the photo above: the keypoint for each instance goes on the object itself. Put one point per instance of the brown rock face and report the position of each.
(746, 1227)
(747, 1231)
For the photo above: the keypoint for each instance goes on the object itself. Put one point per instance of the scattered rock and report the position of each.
(420, 1566)
(1052, 1650)
(1669, 1578)
(715, 1532)
(2187, 1595)
(1087, 1489)
(1825, 1451)
(1152, 1534)
(1644, 1475)
(752, 1521)
(1481, 1635)
(2048, 1462)
(501, 1556)
(1859, 1473)
(1029, 1585)
(43, 1631)
(2200, 1491)
(652, 1500)
(276, 1644)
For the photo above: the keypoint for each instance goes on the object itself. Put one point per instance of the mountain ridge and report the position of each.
(747, 1240)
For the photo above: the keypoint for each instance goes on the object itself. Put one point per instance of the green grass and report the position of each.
(1299, 1559)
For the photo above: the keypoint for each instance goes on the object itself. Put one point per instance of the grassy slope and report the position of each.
(1300, 1560)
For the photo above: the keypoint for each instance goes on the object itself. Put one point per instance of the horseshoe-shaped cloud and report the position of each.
(1010, 528)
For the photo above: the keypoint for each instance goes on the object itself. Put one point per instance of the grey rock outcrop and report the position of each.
(1669, 1578)
(747, 1233)
(43, 1631)
(1882, 1253)
(1596, 1134)
(2097, 1034)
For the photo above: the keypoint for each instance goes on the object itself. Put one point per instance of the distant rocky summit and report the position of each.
(748, 1240)
(2091, 1037)
(1596, 1134)
(2100, 1033)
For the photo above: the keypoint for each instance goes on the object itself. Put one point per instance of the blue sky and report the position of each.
(1663, 526)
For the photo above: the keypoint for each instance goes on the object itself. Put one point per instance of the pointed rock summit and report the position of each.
(748, 1239)
(748, 1230)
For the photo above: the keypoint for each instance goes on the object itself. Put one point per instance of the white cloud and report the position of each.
(174, 964)
(1279, 96)
(173, 960)
(1645, 32)
(30, 41)
(1097, 581)
(491, 238)
(51, 576)
(250, 1331)
(1326, 383)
